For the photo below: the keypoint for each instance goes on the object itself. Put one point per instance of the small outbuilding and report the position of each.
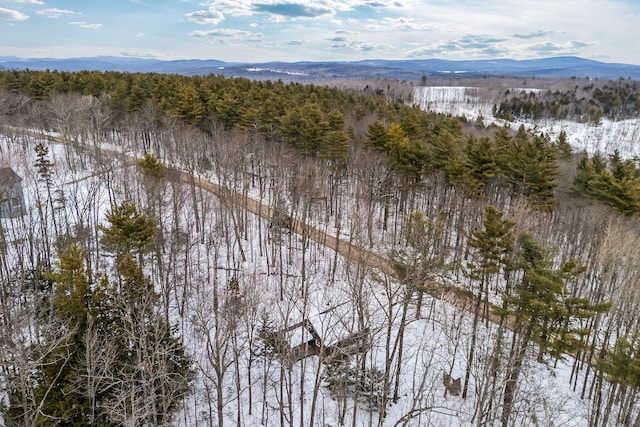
(11, 195)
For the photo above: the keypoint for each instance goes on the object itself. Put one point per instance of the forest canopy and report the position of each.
(313, 120)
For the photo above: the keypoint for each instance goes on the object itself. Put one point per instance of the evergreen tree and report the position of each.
(544, 312)
(335, 147)
(250, 119)
(152, 167)
(564, 149)
(43, 165)
(405, 155)
(623, 170)
(187, 104)
(377, 136)
(335, 143)
(104, 354)
(410, 123)
(129, 231)
(492, 245)
(503, 144)
(398, 146)
(137, 94)
(615, 158)
(228, 107)
(585, 172)
(622, 365)
(619, 188)
(483, 159)
(622, 194)
(532, 169)
(304, 127)
(57, 397)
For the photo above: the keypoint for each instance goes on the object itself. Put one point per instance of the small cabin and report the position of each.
(312, 344)
(11, 195)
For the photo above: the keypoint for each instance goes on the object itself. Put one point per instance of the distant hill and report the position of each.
(567, 66)
(109, 63)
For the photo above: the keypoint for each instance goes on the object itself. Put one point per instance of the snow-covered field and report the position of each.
(606, 137)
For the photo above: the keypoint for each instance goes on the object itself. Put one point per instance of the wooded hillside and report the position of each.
(203, 250)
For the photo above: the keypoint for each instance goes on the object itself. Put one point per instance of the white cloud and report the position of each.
(224, 32)
(286, 10)
(292, 9)
(12, 15)
(398, 24)
(85, 25)
(468, 46)
(55, 13)
(546, 48)
(534, 34)
(24, 1)
(346, 32)
(230, 7)
(341, 43)
(212, 17)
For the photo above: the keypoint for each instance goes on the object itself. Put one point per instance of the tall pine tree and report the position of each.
(492, 246)
(544, 312)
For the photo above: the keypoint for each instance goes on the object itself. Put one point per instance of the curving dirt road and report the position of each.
(450, 294)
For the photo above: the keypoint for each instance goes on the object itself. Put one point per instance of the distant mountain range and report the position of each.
(567, 66)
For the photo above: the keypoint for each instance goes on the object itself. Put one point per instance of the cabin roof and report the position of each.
(8, 177)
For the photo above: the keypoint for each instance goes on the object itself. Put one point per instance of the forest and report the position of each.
(615, 100)
(220, 251)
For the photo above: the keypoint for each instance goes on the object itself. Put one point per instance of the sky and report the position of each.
(322, 30)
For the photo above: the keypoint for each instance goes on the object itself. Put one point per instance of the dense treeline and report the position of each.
(481, 213)
(614, 100)
(525, 163)
(310, 118)
(236, 102)
(314, 120)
